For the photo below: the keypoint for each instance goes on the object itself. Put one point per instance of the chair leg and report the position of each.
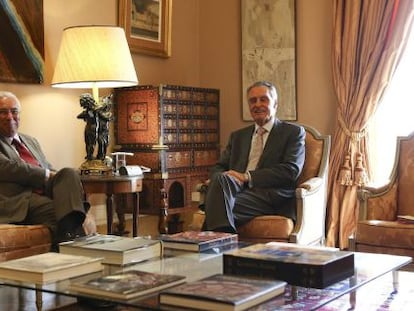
(395, 280)
(352, 243)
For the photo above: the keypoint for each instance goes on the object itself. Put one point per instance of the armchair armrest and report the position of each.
(378, 203)
(309, 186)
(310, 209)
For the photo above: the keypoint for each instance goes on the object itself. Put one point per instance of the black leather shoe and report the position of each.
(86, 206)
(71, 235)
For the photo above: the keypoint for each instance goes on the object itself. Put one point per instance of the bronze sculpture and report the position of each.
(97, 117)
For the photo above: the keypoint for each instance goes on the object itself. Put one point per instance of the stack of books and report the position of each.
(222, 292)
(405, 219)
(126, 284)
(49, 267)
(316, 267)
(116, 250)
(197, 241)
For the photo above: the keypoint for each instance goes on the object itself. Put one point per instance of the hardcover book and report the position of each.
(222, 292)
(316, 267)
(113, 249)
(197, 241)
(127, 284)
(48, 267)
(405, 219)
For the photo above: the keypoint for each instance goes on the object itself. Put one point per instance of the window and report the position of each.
(394, 117)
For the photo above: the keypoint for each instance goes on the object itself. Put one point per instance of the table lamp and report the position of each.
(94, 57)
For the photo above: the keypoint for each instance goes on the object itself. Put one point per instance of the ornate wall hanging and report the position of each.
(268, 50)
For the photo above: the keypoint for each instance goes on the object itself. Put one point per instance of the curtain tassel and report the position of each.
(345, 174)
(361, 177)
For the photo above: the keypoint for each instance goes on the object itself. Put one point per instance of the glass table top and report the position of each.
(199, 265)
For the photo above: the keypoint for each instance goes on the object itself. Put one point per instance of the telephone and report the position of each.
(133, 170)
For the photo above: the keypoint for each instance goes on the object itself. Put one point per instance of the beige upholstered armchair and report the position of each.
(311, 195)
(378, 230)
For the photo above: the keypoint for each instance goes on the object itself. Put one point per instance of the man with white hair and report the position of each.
(257, 172)
(31, 191)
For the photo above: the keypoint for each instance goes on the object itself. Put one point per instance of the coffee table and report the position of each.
(368, 267)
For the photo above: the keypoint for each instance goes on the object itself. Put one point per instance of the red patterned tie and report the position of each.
(24, 153)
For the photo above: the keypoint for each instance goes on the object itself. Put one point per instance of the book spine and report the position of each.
(215, 243)
(294, 274)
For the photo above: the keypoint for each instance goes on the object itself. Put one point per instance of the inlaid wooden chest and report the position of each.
(184, 119)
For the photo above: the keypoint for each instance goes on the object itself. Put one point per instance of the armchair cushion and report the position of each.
(385, 233)
(23, 240)
(275, 228)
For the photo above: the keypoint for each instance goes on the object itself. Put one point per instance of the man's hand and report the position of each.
(52, 174)
(240, 178)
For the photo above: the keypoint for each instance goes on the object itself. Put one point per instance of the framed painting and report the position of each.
(147, 25)
(21, 41)
(269, 51)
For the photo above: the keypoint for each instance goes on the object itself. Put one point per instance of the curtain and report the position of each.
(368, 39)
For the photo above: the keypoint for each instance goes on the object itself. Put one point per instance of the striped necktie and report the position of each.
(256, 149)
(24, 153)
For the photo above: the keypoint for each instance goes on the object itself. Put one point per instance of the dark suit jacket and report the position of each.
(17, 179)
(280, 164)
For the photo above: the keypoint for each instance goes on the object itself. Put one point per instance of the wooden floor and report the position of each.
(148, 224)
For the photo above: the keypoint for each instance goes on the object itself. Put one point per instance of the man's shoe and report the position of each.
(71, 235)
(86, 206)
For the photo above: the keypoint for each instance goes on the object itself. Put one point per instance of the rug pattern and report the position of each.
(377, 295)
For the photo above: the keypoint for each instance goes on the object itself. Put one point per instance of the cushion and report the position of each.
(386, 234)
(272, 227)
(18, 241)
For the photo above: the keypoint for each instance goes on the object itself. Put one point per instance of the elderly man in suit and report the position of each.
(31, 191)
(257, 172)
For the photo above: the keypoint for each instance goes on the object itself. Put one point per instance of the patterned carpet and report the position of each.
(375, 296)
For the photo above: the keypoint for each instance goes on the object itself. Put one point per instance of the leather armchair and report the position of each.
(378, 230)
(311, 196)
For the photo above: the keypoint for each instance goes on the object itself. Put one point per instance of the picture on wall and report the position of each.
(21, 41)
(268, 51)
(147, 25)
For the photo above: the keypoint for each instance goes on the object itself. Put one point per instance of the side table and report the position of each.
(111, 185)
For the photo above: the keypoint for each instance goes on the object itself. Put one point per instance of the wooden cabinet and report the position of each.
(184, 119)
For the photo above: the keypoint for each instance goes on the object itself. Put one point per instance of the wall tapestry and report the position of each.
(268, 51)
(21, 41)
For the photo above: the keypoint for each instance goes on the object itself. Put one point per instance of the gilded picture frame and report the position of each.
(147, 25)
(269, 51)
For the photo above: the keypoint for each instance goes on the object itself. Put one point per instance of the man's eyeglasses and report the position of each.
(5, 112)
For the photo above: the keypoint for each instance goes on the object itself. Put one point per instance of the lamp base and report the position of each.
(95, 167)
